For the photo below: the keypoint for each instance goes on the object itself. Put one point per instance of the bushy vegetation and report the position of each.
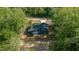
(65, 29)
(11, 21)
(38, 11)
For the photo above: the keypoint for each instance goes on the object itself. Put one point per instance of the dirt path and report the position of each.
(39, 44)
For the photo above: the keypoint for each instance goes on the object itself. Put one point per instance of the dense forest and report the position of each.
(65, 29)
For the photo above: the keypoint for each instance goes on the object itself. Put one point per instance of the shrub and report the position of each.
(38, 11)
(11, 21)
(66, 22)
